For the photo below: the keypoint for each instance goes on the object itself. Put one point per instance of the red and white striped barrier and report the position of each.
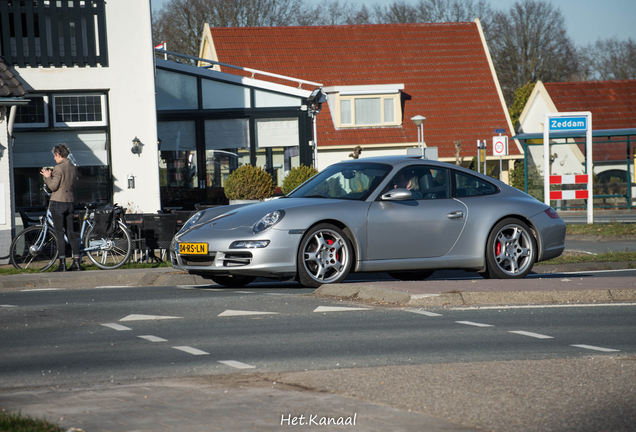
(568, 194)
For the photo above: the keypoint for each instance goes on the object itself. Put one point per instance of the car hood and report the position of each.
(234, 217)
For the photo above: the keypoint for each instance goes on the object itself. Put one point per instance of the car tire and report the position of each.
(511, 250)
(410, 275)
(232, 281)
(325, 256)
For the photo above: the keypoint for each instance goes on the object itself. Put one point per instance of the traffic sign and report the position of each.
(500, 145)
(568, 124)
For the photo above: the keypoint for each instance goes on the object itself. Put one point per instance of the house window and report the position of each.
(364, 111)
(79, 110)
(35, 114)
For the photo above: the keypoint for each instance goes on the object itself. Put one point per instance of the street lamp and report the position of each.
(419, 122)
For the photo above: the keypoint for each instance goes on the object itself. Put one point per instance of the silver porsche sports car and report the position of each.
(401, 215)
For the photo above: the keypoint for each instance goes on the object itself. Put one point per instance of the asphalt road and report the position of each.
(87, 336)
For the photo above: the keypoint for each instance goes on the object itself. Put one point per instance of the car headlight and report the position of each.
(269, 220)
(249, 244)
(190, 223)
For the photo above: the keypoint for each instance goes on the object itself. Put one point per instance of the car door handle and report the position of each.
(456, 215)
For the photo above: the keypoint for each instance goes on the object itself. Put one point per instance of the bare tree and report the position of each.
(608, 59)
(436, 11)
(398, 12)
(529, 43)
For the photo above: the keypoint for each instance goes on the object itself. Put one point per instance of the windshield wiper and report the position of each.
(316, 196)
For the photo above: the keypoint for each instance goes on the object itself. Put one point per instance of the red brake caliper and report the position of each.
(330, 242)
(498, 248)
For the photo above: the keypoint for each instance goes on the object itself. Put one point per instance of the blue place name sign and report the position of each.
(568, 124)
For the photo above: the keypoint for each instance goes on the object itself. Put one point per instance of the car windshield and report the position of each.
(350, 181)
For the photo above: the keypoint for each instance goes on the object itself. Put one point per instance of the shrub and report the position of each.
(249, 183)
(296, 177)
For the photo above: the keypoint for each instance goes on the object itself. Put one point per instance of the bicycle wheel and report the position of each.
(32, 249)
(109, 252)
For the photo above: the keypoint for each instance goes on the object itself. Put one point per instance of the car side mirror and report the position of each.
(398, 194)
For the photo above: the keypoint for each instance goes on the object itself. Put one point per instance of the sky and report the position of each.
(586, 20)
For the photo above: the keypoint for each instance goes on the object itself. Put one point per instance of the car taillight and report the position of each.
(552, 213)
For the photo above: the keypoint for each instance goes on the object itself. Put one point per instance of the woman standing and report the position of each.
(61, 181)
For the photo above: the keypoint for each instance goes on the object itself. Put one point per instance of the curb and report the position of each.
(462, 298)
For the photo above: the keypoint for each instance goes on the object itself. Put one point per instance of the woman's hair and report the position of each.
(62, 150)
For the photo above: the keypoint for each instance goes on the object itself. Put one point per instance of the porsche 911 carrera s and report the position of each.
(402, 215)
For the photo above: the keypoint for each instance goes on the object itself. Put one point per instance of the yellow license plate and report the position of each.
(193, 248)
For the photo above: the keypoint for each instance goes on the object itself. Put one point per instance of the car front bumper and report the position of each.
(276, 260)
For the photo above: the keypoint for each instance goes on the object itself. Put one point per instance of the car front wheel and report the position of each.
(511, 250)
(324, 256)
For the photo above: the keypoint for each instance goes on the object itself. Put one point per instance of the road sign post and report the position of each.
(569, 122)
(500, 148)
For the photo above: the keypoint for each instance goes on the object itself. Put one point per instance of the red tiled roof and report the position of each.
(10, 86)
(443, 67)
(612, 103)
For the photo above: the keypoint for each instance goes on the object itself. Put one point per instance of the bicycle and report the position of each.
(36, 246)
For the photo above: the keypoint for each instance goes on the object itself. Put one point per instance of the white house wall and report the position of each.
(129, 82)
(568, 159)
(5, 188)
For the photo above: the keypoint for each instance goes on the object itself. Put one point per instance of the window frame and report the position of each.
(397, 112)
(39, 125)
(103, 107)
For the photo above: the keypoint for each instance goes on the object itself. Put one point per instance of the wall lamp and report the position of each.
(137, 146)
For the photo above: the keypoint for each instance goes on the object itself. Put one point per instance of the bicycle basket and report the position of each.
(105, 223)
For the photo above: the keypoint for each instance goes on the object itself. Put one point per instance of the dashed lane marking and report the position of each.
(117, 327)
(41, 289)
(595, 348)
(474, 324)
(191, 350)
(136, 317)
(236, 364)
(421, 312)
(243, 313)
(338, 309)
(153, 338)
(534, 335)
(8, 306)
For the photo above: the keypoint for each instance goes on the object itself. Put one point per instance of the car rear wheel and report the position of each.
(324, 256)
(411, 275)
(232, 281)
(511, 250)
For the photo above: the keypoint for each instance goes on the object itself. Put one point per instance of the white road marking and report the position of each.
(236, 364)
(595, 348)
(8, 306)
(135, 317)
(421, 312)
(192, 287)
(112, 286)
(338, 309)
(117, 327)
(153, 338)
(568, 305)
(534, 335)
(243, 313)
(41, 289)
(191, 350)
(244, 292)
(474, 324)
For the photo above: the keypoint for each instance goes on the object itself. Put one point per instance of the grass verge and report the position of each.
(610, 229)
(577, 257)
(12, 422)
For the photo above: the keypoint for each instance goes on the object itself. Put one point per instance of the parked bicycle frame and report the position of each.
(36, 246)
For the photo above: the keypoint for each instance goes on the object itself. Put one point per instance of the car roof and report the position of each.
(395, 160)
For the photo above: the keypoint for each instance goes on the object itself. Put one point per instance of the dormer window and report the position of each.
(365, 106)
